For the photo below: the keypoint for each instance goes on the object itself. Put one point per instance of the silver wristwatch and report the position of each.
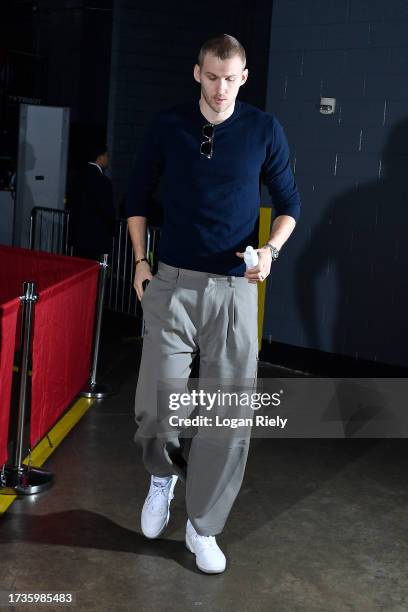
(274, 250)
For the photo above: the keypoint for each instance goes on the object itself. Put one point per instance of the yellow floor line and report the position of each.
(49, 443)
(5, 502)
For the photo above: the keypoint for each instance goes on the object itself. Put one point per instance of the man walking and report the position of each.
(210, 157)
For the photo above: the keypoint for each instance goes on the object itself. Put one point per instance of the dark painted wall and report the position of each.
(74, 39)
(57, 51)
(341, 282)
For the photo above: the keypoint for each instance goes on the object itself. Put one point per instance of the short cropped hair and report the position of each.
(222, 46)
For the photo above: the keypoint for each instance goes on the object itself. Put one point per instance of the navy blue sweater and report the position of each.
(211, 206)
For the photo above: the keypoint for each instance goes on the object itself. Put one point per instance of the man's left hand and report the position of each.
(260, 272)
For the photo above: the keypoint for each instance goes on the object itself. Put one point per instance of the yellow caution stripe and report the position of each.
(265, 217)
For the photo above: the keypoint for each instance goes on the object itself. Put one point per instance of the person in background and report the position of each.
(92, 209)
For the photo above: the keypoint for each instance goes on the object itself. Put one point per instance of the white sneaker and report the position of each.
(209, 556)
(156, 508)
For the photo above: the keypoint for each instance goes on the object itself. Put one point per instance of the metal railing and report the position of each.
(121, 296)
(49, 230)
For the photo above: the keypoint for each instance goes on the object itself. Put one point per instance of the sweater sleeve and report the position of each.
(277, 174)
(146, 172)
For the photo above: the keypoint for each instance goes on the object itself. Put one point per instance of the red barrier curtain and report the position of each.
(63, 326)
(45, 269)
(62, 347)
(8, 321)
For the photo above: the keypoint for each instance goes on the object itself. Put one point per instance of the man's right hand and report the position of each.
(142, 273)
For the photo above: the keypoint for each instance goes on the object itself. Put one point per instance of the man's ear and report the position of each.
(197, 73)
(244, 77)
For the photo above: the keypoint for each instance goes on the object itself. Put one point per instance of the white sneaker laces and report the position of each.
(204, 541)
(155, 497)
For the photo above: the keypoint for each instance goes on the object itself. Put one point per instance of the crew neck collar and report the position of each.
(231, 118)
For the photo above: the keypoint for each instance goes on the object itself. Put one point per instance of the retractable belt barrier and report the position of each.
(57, 323)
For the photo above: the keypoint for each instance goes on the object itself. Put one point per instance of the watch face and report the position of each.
(274, 251)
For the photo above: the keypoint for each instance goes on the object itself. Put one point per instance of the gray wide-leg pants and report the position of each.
(185, 312)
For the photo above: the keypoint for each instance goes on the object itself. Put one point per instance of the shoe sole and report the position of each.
(158, 534)
(206, 571)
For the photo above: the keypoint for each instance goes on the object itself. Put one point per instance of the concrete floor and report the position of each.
(319, 525)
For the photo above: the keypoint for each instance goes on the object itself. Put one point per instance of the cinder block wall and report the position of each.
(340, 285)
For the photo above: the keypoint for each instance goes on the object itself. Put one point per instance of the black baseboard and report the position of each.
(320, 363)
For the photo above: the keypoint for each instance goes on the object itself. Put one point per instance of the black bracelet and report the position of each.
(139, 260)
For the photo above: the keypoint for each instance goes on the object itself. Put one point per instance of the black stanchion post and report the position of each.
(95, 389)
(23, 479)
